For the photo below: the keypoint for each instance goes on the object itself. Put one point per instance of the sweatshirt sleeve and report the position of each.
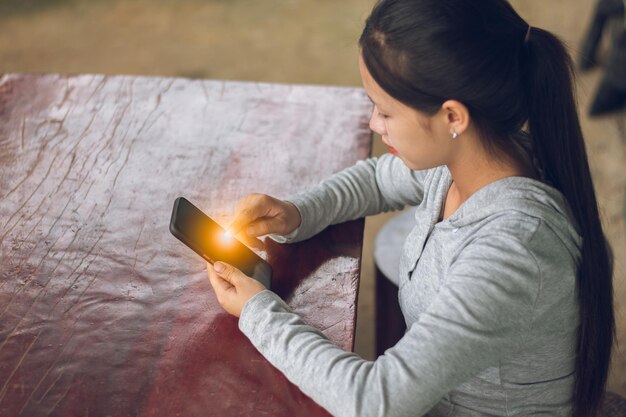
(369, 187)
(480, 315)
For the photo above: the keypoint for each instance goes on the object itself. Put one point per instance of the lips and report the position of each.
(392, 149)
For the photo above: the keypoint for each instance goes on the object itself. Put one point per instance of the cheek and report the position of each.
(403, 136)
(414, 142)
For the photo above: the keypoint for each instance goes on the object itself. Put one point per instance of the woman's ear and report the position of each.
(456, 115)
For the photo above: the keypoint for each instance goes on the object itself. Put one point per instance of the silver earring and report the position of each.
(454, 134)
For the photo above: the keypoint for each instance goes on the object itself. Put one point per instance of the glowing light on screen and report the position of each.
(227, 237)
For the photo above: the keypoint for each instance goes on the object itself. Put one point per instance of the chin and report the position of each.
(418, 166)
(408, 163)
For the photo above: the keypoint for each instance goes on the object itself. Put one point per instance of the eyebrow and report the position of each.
(373, 102)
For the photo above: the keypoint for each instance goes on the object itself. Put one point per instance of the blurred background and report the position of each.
(290, 41)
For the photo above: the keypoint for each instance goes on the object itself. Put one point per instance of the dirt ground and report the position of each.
(287, 41)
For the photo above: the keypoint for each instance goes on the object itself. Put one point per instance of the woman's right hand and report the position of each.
(260, 214)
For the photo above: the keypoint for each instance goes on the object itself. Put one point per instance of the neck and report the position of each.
(475, 168)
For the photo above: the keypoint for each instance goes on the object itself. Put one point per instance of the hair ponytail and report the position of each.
(558, 141)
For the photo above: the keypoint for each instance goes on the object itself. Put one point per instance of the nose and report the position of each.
(377, 123)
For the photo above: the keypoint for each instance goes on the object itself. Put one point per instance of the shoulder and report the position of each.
(516, 232)
(521, 210)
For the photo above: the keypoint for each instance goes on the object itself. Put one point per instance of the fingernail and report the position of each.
(219, 267)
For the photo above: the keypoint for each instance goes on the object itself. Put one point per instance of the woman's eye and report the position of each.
(384, 116)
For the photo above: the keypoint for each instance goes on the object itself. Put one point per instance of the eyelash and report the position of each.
(384, 116)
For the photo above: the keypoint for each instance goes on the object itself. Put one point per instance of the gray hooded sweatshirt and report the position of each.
(488, 295)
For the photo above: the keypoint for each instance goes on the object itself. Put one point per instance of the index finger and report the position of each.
(238, 225)
(245, 214)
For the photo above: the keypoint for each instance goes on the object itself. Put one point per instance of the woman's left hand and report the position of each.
(232, 287)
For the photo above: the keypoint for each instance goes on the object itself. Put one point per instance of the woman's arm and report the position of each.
(479, 316)
(369, 187)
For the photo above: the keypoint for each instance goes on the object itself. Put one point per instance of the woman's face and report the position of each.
(422, 142)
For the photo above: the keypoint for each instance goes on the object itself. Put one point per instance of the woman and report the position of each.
(505, 281)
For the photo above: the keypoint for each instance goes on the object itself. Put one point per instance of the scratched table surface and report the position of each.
(102, 311)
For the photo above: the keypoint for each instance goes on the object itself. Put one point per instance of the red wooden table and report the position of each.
(102, 311)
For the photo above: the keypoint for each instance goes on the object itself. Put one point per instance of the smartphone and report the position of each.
(207, 238)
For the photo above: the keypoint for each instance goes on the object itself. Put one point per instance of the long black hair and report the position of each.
(513, 79)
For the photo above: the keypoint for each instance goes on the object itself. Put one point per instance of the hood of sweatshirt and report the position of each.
(523, 194)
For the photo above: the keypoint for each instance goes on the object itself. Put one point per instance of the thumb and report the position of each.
(229, 273)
